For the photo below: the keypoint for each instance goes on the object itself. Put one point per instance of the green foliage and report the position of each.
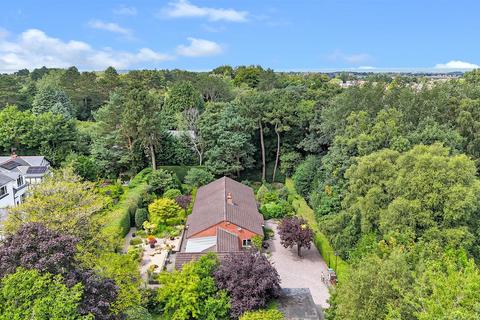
(27, 294)
(448, 289)
(48, 134)
(180, 97)
(191, 292)
(123, 269)
(261, 192)
(172, 193)
(84, 166)
(249, 76)
(289, 162)
(113, 191)
(165, 211)
(54, 100)
(135, 241)
(262, 315)
(404, 195)
(373, 287)
(257, 242)
(197, 177)
(276, 210)
(117, 221)
(138, 313)
(304, 175)
(228, 140)
(141, 215)
(62, 202)
(161, 180)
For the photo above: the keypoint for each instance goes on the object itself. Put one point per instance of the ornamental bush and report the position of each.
(262, 315)
(172, 193)
(276, 210)
(166, 211)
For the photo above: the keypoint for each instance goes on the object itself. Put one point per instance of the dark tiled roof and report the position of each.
(211, 207)
(4, 179)
(227, 241)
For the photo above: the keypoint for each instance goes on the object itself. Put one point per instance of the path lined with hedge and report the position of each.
(321, 242)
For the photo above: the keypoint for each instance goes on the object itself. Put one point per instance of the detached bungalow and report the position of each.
(224, 220)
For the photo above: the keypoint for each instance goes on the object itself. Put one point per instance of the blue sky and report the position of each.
(202, 34)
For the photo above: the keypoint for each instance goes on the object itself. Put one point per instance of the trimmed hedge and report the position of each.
(117, 221)
(320, 240)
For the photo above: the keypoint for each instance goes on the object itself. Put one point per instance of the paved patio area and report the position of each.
(298, 272)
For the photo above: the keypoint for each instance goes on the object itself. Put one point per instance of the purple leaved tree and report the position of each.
(250, 281)
(34, 246)
(295, 231)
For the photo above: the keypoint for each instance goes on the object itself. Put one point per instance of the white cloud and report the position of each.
(366, 68)
(34, 49)
(184, 9)
(110, 26)
(457, 64)
(199, 48)
(124, 10)
(352, 58)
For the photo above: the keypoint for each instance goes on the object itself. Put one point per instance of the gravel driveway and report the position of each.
(298, 272)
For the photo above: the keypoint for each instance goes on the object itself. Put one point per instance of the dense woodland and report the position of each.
(390, 168)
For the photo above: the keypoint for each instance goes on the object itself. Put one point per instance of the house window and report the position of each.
(3, 191)
(20, 181)
(247, 242)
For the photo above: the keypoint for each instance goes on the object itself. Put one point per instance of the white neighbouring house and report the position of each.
(16, 174)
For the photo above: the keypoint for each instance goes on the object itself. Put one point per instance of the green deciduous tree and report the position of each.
(27, 294)
(403, 195)
(372, 288)
(191, 293)
(62, 202)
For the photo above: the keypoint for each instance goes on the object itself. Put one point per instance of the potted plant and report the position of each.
(151, 241)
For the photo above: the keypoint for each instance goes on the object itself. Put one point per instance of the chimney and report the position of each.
(14, 153)
(230, 199)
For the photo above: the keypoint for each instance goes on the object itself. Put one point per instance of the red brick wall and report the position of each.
(212, 231)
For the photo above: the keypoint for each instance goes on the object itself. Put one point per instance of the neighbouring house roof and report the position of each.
(29, 166)
(211, 207)
(24, 160)
(4, 179)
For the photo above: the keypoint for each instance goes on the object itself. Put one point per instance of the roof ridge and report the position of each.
(224, 198)
(227, 231)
